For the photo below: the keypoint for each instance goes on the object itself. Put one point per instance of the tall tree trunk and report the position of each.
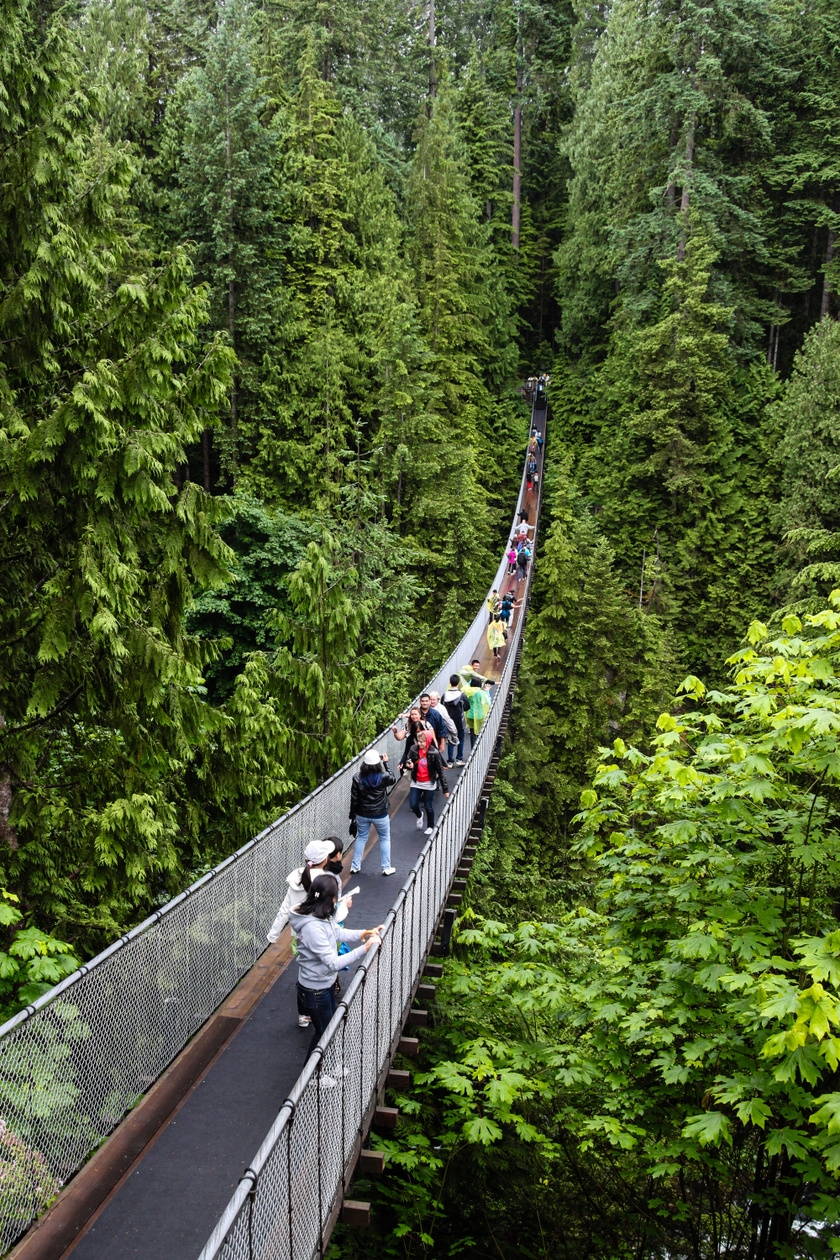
(516, 212)
(685, 199)
(809, 291)
(205, 451)
(829, 257)
(517, 163)
(325, 712)
(234, 423)
(671, 188)
(772, 332)
(432, 43)
(8, 836)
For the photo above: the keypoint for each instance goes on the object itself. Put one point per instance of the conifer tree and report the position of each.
(601, 665)
(104, 379)
(806, 422)
(451, 256)
(322, 663)
(226, 202)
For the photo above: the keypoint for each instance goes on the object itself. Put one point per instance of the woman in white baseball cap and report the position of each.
(369, 804)
(321, 857)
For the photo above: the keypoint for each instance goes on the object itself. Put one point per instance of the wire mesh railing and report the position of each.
(284, 1203)
(76, 1061)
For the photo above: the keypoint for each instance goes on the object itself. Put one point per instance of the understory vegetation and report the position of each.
(271, 276)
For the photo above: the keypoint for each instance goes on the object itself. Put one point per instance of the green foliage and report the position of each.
(33, 963)
(674, 1036)
(103, 720)
(266, 547)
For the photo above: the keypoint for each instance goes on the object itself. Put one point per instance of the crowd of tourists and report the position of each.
(434, 731)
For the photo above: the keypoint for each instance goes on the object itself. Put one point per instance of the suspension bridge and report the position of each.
(156, 1104)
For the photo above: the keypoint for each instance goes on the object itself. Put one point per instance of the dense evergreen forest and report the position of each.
(271, 274)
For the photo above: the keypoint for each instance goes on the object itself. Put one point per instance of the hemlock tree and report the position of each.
(322, 663)
(104, 380)
(806, 422)
(338, 339)
(226, 202)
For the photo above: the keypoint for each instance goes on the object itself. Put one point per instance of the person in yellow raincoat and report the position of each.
(479, 699)
(496, 635)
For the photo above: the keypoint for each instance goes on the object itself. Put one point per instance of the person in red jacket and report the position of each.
(426, 766)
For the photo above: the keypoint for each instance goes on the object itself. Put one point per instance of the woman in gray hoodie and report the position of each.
(318, 938)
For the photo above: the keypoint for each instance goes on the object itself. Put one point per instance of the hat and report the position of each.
(318, 851)
(371, 757)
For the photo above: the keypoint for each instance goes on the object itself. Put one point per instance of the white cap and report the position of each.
(318, 851)
(371, 757)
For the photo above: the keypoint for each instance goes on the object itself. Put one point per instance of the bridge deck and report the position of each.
(168, 1202)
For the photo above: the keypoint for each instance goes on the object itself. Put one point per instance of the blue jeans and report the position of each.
(383, 830)
(319, 1005)
(460, 753)
(422, 798)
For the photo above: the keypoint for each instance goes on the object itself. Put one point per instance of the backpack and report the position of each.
(451, 728)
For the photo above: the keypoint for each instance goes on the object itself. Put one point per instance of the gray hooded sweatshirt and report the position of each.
(317, 949)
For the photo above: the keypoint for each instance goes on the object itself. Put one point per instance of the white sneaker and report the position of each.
(354, 870)
(419, 823)
(428, 831)
(389, 870)
(459, 762)
(328, 1082)
(304, 1021)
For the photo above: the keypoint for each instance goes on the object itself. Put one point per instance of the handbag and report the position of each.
(353, 828)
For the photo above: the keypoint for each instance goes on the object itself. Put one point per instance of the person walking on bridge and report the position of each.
(416, 722)
(456, 705)
(496, 635)
(451, 728)
(479, 707)
(369, 805)
(509, 607)
(433, 718)
(469, 675)
(426, 765)
(522, 564)
(318, 938)
(321, 857)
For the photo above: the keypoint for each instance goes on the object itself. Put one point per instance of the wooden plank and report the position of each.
(418, 1017)
(408, 1045)
(371, 1163)
(398, 1078)
(354, 1212)
(435, 970)
(426, 992)
(386, 1117)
